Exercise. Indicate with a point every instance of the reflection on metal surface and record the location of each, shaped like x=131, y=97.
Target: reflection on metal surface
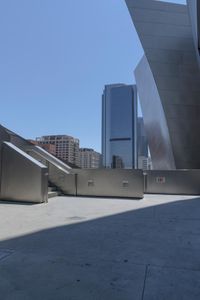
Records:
x=117, y=162
x=168, y=80
x=110, y=183
x=22, y=177
x=154, y=118
x=181, y=182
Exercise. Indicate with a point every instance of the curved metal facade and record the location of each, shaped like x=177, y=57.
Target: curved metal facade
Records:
x=168, y=80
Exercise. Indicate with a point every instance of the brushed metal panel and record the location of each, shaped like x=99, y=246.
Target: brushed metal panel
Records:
x=179, y=97
x=181, y=182
x=167, y=43
x=18, y=141
x=171, y=71
x=164, y=56
x=186, y=112
x=4, y=136
x=41, y=154
x=183, y=126
x=155, y=122
x=62, y=179
x=170, y=30
x=110, y=183
x=163, y=16
x=59, y=172
x=177, y=83
x=157, y=5
x=194, y=13
x=23, y=178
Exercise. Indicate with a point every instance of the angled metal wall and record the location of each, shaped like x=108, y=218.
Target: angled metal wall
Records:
x=22, y=177
x=170, y=62
x=194, y=12
x=154, y=118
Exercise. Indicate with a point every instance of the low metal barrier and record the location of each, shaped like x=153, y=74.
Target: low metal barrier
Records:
x=110, y=183
x=181, y=182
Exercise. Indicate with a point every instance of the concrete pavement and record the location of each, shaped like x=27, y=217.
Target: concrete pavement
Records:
x=101, y=249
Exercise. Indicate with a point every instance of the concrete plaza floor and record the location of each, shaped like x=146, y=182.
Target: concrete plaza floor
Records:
x=101, y=249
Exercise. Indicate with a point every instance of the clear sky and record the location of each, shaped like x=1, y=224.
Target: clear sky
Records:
x=55, y=58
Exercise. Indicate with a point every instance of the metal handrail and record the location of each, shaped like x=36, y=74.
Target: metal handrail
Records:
x=50, y=159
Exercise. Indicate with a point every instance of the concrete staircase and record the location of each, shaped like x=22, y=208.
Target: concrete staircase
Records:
x=52, y=192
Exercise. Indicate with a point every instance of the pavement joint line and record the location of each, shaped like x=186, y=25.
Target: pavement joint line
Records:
x=174, y=268
x=144, y=284
x=166, y=267
x=162, y=267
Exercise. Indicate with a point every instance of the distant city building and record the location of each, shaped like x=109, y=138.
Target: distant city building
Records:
x=144, y=163
x=117, y=162
x=119, y=126
x=89, y=159
x=67, y=147
x=48, y=147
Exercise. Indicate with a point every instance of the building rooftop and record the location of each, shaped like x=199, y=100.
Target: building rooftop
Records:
x=95, y=248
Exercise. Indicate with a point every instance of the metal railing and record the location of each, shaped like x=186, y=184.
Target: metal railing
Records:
x=59, y=172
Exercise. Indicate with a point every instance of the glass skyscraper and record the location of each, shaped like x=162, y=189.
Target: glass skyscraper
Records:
x=119, y=122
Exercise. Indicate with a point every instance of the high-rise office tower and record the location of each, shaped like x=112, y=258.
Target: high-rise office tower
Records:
x=67, y=147
x=119, y=122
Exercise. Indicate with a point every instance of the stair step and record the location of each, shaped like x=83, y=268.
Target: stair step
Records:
x=52, y=189
x=52, y=194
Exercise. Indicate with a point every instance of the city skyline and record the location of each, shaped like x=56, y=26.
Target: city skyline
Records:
x=53, y=70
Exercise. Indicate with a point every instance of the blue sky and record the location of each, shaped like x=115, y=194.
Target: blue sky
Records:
x=55, y=58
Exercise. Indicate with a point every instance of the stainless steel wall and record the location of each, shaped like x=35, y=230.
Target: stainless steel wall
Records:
x=22, y=177
x=154, y=118
x=110, y=183
x=4, y=136
x=41, y=154
x=64, y=181
x=166, y=34
x=194, y=12
x=59, y=172
x=181, y=182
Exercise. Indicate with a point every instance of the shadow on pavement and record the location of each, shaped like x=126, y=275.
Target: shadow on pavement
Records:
x=149, y=253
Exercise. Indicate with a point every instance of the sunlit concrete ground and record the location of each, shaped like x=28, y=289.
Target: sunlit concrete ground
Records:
x=101, y=249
